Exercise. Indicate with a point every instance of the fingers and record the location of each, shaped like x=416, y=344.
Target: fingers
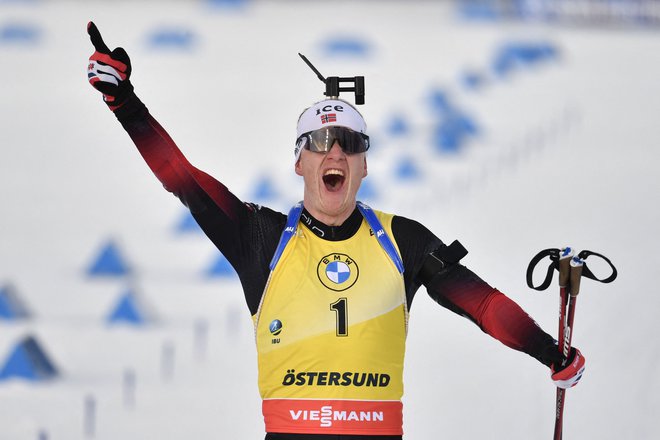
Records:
x=97, y=40
x=104, y=73
x=120, y=54
x=101, y=77
x=110, y=60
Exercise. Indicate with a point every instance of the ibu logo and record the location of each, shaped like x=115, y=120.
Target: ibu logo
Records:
x=275, y=327
x=337, y=272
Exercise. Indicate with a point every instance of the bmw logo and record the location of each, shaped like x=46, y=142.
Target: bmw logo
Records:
x=337, y=272
x=275, y=327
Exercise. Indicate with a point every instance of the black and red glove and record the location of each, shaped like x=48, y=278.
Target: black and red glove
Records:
x=108, y=71
x=567, y=372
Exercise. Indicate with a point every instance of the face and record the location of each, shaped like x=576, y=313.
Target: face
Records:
x=331, y=181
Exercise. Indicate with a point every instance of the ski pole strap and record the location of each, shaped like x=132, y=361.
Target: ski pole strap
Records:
x=554, y=255
x=588, y=274
x=554, y=264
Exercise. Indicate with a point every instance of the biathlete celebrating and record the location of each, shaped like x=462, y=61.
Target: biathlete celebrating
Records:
x=329, y=286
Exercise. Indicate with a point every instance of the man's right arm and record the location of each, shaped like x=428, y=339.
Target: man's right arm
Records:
x=109, y=72
x=196, y=189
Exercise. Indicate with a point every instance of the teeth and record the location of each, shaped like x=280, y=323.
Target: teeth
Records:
x=334, y=172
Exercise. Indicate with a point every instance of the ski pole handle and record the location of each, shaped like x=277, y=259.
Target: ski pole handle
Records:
x=576, y=266
x=565, y=256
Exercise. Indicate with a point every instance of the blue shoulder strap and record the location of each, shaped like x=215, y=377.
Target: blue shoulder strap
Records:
x=289, y=231
x=367, y=213
x=381, y=235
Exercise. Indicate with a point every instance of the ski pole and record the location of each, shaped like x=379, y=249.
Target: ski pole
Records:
x=571, y=270
x=565, y=257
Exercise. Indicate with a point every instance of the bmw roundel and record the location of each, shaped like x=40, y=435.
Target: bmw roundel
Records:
x=337, y=272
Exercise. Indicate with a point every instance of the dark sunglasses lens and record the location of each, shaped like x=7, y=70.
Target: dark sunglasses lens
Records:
x=353, y=142
x=350, y=141
x=321, y=141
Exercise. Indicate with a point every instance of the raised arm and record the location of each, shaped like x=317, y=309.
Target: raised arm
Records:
x=218, y=211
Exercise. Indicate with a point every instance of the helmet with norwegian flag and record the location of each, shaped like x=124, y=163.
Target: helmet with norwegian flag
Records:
x=331, y=112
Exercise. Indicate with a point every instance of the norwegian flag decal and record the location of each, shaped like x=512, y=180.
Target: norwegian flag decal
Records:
x=330, y=117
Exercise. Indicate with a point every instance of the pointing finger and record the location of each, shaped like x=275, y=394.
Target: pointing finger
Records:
x=97, y=40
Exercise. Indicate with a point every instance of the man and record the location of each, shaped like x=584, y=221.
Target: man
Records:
x=329, y=286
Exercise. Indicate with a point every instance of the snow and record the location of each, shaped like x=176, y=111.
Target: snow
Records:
x=565, y=155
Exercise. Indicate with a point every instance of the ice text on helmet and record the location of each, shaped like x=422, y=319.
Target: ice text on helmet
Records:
x=329, y=108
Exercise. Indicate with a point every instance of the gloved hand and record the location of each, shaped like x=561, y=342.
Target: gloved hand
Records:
x=109, y=72
x=568, y=371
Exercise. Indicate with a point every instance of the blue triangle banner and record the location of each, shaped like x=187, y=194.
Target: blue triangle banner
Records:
x=264, y=190
x=398, y=126
x=407, y=169
x=28, y=361
x=367, y=191
x=11, y=306
x=128, y=310
x=173, y=38
x=355, y=47
x=109, y=262
x=20, y=33
x=228, y=4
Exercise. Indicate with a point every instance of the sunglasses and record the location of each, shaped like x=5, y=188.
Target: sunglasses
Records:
x=322, y=140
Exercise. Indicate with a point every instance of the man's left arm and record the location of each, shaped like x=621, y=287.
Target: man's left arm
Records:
x=462, y=291
x=429, y=262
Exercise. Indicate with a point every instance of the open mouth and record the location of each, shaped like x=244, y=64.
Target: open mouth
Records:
x=333, y=179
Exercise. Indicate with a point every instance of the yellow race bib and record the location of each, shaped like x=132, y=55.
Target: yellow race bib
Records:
x=330, y=334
